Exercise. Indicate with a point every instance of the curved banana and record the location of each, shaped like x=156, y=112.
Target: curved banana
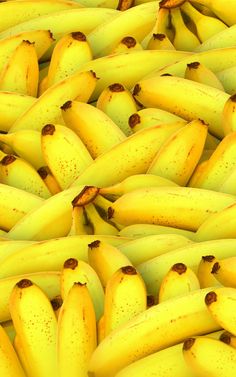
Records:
x=96, y=129
x=49, y=180
x=76, y=336
x=78, y=225
x=117, y=102
x=20, y=353
x=160, y=41
x=204, y=272
x=9, y=362
x=143, y=230
x=229, y=118
x=224, y=272
x=200, y=73
x=98, y=224
x=126, y=45
x=227, y=78
x=100, y=330
x=227, y=14
x=228, y=186
x=8, y=247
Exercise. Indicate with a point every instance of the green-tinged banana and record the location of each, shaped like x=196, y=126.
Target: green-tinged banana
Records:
x=142, y=249
x=56, y=303
x=117, y=102
x=78, y=225
x=154, y=270
x=125, y=298
x=184, y=39
x=9, y=363
x=206, y=154
x=228, y=185
x=204, y=272
x=49, y=180
x=209, y=357
x=98, y=224
x=50, y=255
x=143, y=230
x=224, y=272
x=106, y=260
x=96, y=129
x=227, y=14
x=227, y=78
x=180, y=207
x=77, y=335
x=228, y=338
x=64, y=153
x=160, y=41
x=211, y=142
x=130, y=157
x=180, y=154
x=46, y=108
x=69, y=54
x=15, y=204
x=134, y=182
x=206, y=26
x=36, y=326
x=229, y=118
x=200, y=73
x=180, y=280
x=169, y=93
x=136, y=22
x=20, y=74
x=126, y=45
x=9, y=329
x=75, y=271
x=16, y=172
x=159, y=327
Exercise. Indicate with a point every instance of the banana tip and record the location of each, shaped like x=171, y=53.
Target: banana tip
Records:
x=180, y=268
x=48, y=129
x=188, y=343
x=116, y=88
x=71, y=263
x=24, y=283
x=79, y=36
x=94, y=244
x=129, y=270
x=210, y=298
x=215, y=268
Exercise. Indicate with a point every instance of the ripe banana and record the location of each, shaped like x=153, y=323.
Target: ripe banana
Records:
x=49, y=179
x=126, y=45
x=78, y=225
x=96, y=129
x=163, y=24
x=20, y=353
x=200, y=73
x=160, y=41
x=100, y=330
x=224, y=272
x=229, y=184
x=143, y=230
x=227, y=14
x=227, y=78
x=76, y=337
x=229, y=118
x=204, y=272
x=99, y=226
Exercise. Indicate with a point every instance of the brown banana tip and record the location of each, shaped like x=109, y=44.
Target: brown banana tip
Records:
x=116, y=88
x=129, y=270
x=215, y=268
x=188, y=343
x=165, y=74
x=51, y=35
x=134, y=119
x=208, y=258
x=210, y=298
x=129, y=42
x=159, y=36
x=79, y=36
x=56, y=302
x=233, y=98
x=3, y=132
x=193, y=65
x=86, y=196
x=66, y=105
x=26, y=41
x=71, y=263
x=43, y=172
x=7, y=160
x=24, y=283
x=49, y=129
x=150, y=301
x=225, y=337
x=110, y=213
x=169, y=4
x=80, y=284
x=94, y=75
x=94, y=244
x=180, y=268
x=136, y=90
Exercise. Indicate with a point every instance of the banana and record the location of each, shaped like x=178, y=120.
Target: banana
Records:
x=134, y=182
x=117, y=102
x=126, y=45
x=125, y=298
x=37, y=333
x=96, y=129
x=200, y=73
x=15, y=204
x=184, y=39
x=224, y=272
x=206, y=154
x=20, y=353
x=76, y=337
x=12, y=106
x=154, y=270
x=49, y=180
x=160, y=41
x=228, y=186
x=229, y=118
x=180, y=154
x=86, y=196
x=163, y=24
x=206, y=26
x=64, y=153
x=132, y=156
x=105, y=259
x=9, y=362
x=159, y=327
x=143, y=230
x=204, y=272
x=227, y=78
x=209, y=357
x=78, y=222
x=169, y=93
x=226, y=14
x=56, y=303
x=16, y=172
x=148, y=247
x=21, y=72
x=9, y=329
x=47, y=107
x=228, y=338
x=75, y=271
x=99, y=226
x=180, y=207
x=125, y=4
x=135, y=22
x=69, y=54
x=100, y=330
x=51, y=254
x=99, y=3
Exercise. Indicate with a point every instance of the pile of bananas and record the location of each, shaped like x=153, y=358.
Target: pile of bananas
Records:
x=118, y=188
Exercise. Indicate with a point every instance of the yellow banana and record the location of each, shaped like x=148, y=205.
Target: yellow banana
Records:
x=75, y=271
x=125, y=298
x=200, y=73
x=228, y=185
x=100, y=330
x=126, y=45
x=96, y=129
x=132, y=156
x=8, y=247
x=227, y=78
x=179, y=155
x=148, y=247
x=117, y=102
x=9, y=363
x=224, y=272
x=37, y=333
x=160, y=41
x=98, y=224
x=64, y=153
x=159, y=327
x=99, y=3
x=228, y=338
x=69, y=54
x=227, y=14
x=229, y=118
x=49, y=180
x=143, y=230
x=105, y=260
x=56, y=303
x=204, y=272
x=78, y=222
x=163, y=24
x=209, y=357
x=169, y=93
x=76, y=337
x=20, y=353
